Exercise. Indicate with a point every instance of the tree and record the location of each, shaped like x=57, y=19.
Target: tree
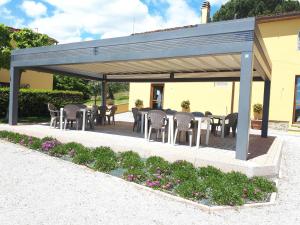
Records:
x=67, y=83
x=24, y=38
x=247, y=8
x=5, y=47
x=27, y=38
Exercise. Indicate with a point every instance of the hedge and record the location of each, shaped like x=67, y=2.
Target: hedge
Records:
x=33, y=102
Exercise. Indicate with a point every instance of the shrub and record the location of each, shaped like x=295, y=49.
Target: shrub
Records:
x=185, y=104
x=82, y=156
x=49, y=143
x=157, y=165
x=138, y=103
x=192, y=189
x=34, y=143
x=182, y=170
x=258, y=108
x=106, y=159
x=69, y=148
x=131, y=160
x=136, y=175
x=37, y=100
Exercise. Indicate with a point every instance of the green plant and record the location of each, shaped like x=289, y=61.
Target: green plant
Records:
x=185, y=104
x=191, y=189
x=131, y=160
x=82, y=156
x=136, y=175
x=257, y=108
x=37, y=100
x=182, y=171
x=157, y=165
x=139, y=103
x=106, y=159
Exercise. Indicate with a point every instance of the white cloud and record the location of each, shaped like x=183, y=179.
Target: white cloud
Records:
x=34, y=9
x=3, y=2
x=109, y=18
x=219, y=2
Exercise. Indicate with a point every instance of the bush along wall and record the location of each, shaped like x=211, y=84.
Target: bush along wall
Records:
x=33, y=102
x=206, y=185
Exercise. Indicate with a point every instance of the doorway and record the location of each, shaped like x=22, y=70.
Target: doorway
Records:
x=157, y=96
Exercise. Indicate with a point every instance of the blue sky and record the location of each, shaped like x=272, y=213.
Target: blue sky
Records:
x=77, y=20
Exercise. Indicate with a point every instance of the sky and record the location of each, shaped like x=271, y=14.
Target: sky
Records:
x=82, y=20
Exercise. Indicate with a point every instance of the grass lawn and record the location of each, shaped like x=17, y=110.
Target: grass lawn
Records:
x=120, y=98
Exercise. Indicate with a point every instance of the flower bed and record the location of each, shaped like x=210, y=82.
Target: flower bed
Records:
x=206, y=185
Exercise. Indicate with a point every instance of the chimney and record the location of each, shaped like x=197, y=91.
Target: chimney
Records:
x=205, y=12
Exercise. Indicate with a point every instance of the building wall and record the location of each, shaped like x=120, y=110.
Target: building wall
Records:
x=280, y=38
x=35, y=80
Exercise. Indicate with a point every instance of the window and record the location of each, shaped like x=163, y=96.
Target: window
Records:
x=296, y=117
x=221, y=84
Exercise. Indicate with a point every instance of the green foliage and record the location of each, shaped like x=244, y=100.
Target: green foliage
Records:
x=131, y=160
x=185, y=104
x=183, y=171
x=82, y=155
x=206, y=183
x=106, y=159
x=135, y=174
x=157, y=165
x=27, y=38
x=34, y=102
x=191, y=189
x=247, y=8
x=257, y=108
x=5, y=47
x=67, y=83
x=139, y=103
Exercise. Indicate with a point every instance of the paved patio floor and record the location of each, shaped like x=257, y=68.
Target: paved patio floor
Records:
x=36, y=189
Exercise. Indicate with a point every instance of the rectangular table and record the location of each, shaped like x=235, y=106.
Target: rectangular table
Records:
x=222, y=118
x=84, y=111
x=200, y=120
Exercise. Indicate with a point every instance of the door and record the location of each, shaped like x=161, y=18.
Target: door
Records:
x=157, y=96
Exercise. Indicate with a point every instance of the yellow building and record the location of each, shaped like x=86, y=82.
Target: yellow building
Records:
x=281, y=35
x=29, y=79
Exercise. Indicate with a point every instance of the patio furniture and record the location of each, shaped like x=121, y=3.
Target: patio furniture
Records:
x=171, y=112
x=158, y=122
x=72, y=114
x=198, y=114
x=137, y=119
x=102, y=114
x=54, y=114
x=92, y=116
x=111, y=114
x=231, y=122
x=184, y=123
x=216, y=122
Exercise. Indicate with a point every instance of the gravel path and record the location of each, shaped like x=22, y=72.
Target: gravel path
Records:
x=36, y=189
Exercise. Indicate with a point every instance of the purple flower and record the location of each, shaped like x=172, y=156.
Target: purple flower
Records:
x=152, y=183
x=48, y=145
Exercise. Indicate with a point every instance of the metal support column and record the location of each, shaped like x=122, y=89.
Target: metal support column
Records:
x=15, y=76
x=266, y=106
x=242, y=140
x=103, y=103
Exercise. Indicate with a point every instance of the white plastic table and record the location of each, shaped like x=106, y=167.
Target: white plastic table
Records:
x=83, y=118
x=222, y=118
x=171, y=128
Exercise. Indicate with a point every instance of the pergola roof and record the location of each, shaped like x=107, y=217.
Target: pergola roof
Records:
x=205, y=52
